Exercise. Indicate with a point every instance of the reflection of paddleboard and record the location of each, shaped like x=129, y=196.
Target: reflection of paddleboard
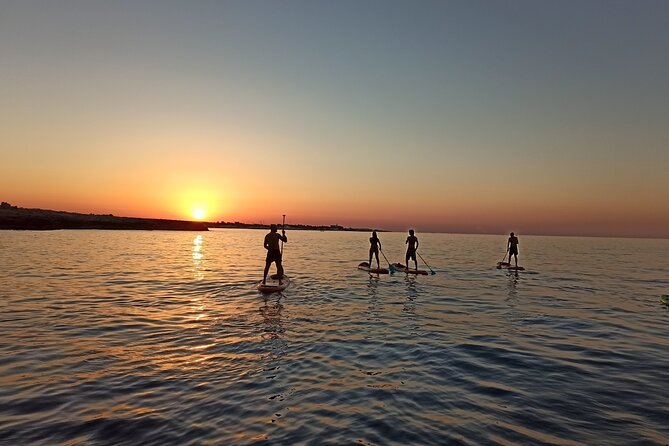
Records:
x=365, y=267
x=403, y=269
x=506, y=265
x=272, y=284
x=664, y=299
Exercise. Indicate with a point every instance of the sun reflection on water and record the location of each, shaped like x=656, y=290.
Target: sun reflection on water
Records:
x=198, y=258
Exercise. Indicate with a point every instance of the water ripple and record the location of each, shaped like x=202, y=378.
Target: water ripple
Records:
x=158, y=338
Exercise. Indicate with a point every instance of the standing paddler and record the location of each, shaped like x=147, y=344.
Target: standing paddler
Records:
x=274, y=253
x=412, y=246
x=375, y=245
x=512, y=248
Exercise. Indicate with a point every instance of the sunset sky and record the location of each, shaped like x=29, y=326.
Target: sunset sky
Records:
x=455, y=116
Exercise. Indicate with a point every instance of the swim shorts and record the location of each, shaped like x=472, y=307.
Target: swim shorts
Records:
x=273, y=255
x=411, y=253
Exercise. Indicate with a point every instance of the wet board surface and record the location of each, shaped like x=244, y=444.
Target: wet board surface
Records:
x=272, y=284
x=502, y=265
x=403, y=269
x=364, y=266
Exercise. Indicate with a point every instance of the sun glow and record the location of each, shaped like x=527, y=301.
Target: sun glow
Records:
x=200, y=199
x=199, y=213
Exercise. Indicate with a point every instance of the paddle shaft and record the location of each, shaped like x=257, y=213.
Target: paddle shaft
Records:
x=390, y=267
x=283, y=229
x=421, y=257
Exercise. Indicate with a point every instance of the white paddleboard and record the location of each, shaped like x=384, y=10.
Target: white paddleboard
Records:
x=403, y=269
x=505, y=265
x=365, y=267
x=272, y=284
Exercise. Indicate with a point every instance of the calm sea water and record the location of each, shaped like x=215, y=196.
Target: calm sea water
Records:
x=159, y=338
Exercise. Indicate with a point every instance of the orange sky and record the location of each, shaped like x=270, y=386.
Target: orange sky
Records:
x=249, y=115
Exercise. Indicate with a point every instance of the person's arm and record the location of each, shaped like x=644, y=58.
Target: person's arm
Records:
x=508, y=244
x=283, y=237
x=416, y=243
x=380, y=245
x=266, y=245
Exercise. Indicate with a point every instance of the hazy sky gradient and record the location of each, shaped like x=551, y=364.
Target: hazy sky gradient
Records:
x=539, y=117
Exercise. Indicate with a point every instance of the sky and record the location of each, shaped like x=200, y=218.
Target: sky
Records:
x=444, y=116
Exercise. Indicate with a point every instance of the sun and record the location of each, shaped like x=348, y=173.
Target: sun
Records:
x=198, y=213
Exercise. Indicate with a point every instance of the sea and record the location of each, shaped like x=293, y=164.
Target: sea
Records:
x=161, y=338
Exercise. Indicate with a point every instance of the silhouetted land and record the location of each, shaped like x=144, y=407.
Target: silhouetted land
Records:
x=292, y=227
x=13, y=217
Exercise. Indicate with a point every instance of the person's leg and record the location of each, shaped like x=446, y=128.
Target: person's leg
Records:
x=415, y=261
x=279, y=270
x=406, y=260
x=370, y=257
x=378, y=264
x=264, y=276
x=515, y=257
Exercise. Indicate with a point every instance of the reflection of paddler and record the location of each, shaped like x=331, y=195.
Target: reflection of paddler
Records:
x=374, y=249
x=274, y=252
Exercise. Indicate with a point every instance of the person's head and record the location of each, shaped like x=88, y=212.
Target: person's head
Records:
x=410, y=231
x=512, y=234
x=272, y=228
x=374, y=234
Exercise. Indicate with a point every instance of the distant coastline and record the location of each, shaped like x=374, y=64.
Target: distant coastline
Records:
x=13, y=217
x=293, y=227
x=16, y=218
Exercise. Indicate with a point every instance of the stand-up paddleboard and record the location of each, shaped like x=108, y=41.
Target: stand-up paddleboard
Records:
x=272, y=285
x=506, y=265
x=365, y=267
x=403, y=269
x=664, y=299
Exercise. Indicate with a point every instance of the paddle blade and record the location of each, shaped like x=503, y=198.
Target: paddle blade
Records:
x=391, y=268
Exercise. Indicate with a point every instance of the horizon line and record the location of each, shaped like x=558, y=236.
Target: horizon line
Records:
x=531, y=233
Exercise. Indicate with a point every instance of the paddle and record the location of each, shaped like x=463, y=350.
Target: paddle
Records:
x=283, y=229
x=504, y=258
x=421, y=257
x=391, y=267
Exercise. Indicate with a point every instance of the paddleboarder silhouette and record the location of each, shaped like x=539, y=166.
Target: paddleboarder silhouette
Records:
x=374, y=249
x=512, y=247
x=412, y=241
x=274, y=252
